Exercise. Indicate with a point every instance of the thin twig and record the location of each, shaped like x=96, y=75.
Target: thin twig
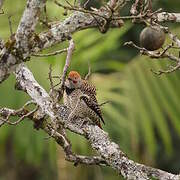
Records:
x=89, y=71
x=54, y=93
x=106, y=102
x=2, y=11
x=22, y=117
x=22, y=112
x=85, y=4
x=158, y=55
x=68, y=3
x=174, y=39
x=64, y=142
x=51, y=54
x=10, y=25
x=170, y=70
x=1, y=4
x=50, y=76
x=155, y=54
x=45, y=12
x=68, y=60
x=79, y=9
x=99, y=140
x=133, y=9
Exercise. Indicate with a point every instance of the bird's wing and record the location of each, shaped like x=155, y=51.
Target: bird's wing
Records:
x=92, y=102
x=93, y=105
x=88, y=88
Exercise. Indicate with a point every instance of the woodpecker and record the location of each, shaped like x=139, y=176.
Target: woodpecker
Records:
x=80, y=97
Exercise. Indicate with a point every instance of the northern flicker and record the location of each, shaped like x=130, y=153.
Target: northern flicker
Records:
x=80, y=97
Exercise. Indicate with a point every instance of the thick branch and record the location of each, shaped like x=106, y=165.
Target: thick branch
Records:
x=59, y=137
x=98, y=139
x=79, y=159
x=1, y=44
x=69, y=155
x=18, y=48
x=171, y=17
x=57, y=33
x=61, y=31
x=27, y=24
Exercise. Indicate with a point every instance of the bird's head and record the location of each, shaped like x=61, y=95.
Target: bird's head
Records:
x=73, y=80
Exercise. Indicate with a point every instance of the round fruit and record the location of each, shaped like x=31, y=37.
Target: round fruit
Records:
x=152, y=38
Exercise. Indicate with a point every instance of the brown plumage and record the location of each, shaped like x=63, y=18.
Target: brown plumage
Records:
x=90, y=90
x=76, y=88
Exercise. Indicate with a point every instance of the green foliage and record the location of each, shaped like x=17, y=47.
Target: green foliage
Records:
x=140, y=105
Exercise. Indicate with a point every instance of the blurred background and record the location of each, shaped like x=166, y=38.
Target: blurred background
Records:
x=143, y=115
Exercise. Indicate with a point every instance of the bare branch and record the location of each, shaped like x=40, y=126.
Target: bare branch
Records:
x=89, y=71
x=58, y=32
x=1, y=4
x=170, y=70
x=171, y=17
x=98, y=139
x=18, y=50
x=6, y=113
x=51, y=54
x=10, y=24
x=174, y=39
x=27, y=24
x=26, y=42
x=86, y=3
x=61, y=31
x=155, y=54
x=106, y=102
x=69, y=155
x=68, y=61
x=78, y=9
x=78, y=159
x=5, y=121
x=36, y=92
x=1, y=44
x=50, y=76
x=159, y=55
x=56, y=95
x=134, y=7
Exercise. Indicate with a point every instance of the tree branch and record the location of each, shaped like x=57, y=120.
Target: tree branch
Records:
x=168, y=17
x=27, y=25
x=29, y=43
x=1, y=4
x=98, y=139
x=60, y=138
x=51, y=54
x=79, y=159
x=68, y=61
x=69, y=155
x=18, y=48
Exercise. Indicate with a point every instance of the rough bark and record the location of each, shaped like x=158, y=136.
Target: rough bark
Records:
x=59, y=32
x=17, y=48
x=25, y=43
x=99, y=140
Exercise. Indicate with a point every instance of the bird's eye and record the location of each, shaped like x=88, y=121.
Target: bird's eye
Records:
x=69, y=79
